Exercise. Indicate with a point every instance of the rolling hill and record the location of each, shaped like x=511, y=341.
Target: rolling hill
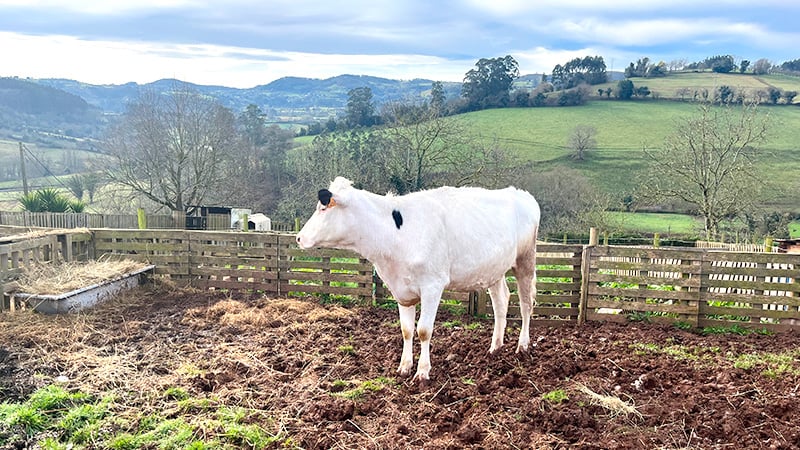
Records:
x=81, y=111
x=624, y=129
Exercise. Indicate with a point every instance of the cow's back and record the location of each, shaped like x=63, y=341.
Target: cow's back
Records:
x=473, y=234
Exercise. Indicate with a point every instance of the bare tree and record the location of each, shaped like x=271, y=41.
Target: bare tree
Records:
x=173, y=149
x=710, y=162
x=581, y=140
x=417, y=149
x=568, y=201
x=260, y=165
x=421, y=143
x=426, y=150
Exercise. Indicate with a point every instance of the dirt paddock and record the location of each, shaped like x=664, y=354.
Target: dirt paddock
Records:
x=324, y=375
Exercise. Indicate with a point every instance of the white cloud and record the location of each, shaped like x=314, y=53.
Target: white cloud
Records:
x=109, y=62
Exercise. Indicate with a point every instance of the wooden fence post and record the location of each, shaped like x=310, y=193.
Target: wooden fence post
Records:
x=141, y=218
x=483, y=300
x=179, y=219
x=585, y=261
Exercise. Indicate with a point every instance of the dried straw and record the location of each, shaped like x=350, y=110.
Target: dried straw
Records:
x=54, y=279
x=614, y=405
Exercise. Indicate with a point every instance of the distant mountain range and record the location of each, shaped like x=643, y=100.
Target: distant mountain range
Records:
x=285, y=93
x=32, y=108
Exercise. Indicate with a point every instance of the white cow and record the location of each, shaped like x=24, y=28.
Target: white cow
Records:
x=425, y=242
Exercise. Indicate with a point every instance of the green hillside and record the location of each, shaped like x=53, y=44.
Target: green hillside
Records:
x=682, y=86
x=624, y=128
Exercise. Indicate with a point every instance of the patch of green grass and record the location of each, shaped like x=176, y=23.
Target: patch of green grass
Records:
x=76, y=420
x=44, y=408
x=772, y=365
x=733, y=329
x=555, y=397
x=347, y=349
x=361, y=388
x=453, y=306
x=55, y=397
x=176, y=393
x=452, y=324
x=681, y=352
x=81, y=422
x=794, y=230
x=30, y=419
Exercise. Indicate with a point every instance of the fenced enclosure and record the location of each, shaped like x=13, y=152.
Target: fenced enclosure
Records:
x=698, y=287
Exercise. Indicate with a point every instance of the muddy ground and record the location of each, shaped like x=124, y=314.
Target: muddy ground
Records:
x=325, y=375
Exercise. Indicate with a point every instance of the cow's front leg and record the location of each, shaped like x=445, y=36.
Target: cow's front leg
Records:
x=407, y=315
x=427, y=317
x=499, y=294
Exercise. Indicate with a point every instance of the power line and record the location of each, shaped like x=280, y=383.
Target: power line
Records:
x=46, y=169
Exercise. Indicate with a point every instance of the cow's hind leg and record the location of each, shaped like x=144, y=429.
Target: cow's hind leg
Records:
x=525, y=271
x=500, y=294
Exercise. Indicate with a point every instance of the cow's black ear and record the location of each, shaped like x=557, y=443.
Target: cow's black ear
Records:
x=324, y=196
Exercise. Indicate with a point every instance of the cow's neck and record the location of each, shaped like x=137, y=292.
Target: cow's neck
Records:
x=375, y=230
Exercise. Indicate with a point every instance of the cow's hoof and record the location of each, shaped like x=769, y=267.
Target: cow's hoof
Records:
x=422, y=378
x=404, y=370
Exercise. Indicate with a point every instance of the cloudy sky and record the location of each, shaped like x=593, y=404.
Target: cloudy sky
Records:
x=244, y=43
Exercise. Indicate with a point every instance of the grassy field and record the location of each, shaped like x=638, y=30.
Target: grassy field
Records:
x=40, y=160
x=624, y=129
x=662, y=223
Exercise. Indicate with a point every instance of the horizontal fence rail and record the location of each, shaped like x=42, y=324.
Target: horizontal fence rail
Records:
x=700, y=287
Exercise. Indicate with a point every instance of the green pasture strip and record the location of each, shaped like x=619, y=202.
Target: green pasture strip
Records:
x=663, y=223
x=683, y=85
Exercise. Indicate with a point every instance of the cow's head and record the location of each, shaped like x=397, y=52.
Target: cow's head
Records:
x=329, y=226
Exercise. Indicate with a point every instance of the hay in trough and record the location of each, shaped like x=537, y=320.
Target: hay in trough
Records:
x=54, y=279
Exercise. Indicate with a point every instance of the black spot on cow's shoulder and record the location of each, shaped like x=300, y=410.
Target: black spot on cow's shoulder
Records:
x=324, y=196
x=398, y=218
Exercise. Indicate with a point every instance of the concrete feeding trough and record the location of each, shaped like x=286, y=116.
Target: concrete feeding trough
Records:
x=84, y=297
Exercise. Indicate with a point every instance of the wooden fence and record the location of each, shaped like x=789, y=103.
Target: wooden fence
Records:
x=734, y=247
x=699, y=287
x=121, y=221
x=82, y=220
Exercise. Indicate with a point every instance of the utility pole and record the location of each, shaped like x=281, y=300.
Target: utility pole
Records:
x=22, y=168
